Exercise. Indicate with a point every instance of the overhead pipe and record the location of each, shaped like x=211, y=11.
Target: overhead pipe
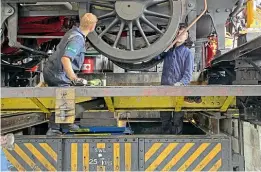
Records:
x=238, y=8
x=194, y=21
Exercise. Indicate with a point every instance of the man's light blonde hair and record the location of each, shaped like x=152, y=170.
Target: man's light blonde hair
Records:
x=87, y=20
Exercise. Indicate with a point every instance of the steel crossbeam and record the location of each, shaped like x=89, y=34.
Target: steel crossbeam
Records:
x=215, y=90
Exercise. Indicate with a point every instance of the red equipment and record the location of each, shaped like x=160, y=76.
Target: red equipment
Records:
x=88, y=65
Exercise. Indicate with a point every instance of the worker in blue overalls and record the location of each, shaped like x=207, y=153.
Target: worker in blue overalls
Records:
x=177, y=71
x=69, y=56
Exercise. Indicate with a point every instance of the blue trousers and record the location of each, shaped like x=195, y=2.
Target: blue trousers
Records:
x=5, y=164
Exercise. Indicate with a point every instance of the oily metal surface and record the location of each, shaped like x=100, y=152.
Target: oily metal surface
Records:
x=11, y=123
x=131, y=55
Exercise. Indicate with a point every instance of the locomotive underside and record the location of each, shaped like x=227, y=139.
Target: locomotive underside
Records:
x=127, y=31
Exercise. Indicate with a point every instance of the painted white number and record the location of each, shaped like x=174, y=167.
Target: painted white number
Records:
x=93, y=161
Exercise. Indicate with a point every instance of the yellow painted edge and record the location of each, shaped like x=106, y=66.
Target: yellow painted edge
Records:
x=74, y=149
x=179, y=103
x=116, y=156
x=109, y=103
x=39, y=104
x=127, y=156
x=227, y=103
x=85, y=153
x=101, y=145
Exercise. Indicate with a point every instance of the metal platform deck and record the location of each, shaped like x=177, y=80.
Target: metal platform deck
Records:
x=209, y=98
x=132, y=91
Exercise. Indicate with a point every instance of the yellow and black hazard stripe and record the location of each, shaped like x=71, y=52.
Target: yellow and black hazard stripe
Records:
x=33, y=157
x=102, y=157
x=183, y=157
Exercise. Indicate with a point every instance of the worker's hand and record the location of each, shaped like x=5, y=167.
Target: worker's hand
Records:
x=95, y=82
x=7, y=141
x=3, y=140
x=178, y=84
x=79, y=82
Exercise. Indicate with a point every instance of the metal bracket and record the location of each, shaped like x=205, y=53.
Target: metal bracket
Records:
x=40, y=105
x=109, y=103
x=12, y=26
x=179, y=103
x=65, y=105
x=227, y=103
x=6, y=11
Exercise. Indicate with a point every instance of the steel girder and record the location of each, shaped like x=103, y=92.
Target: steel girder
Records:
x=249, y=49
x=231, y=90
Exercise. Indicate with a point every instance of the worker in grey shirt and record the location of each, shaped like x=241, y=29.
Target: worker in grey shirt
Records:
x=66, y=60
x=177, y=71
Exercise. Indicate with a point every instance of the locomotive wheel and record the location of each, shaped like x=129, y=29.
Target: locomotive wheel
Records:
x=143, y=66
x=128, y=31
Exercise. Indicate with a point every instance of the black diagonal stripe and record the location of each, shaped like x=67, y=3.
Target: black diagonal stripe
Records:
x=201, y=157
x=212, y=162
x=33, y=157
x=122, y=157
x=66, y=160
x=45, y=154
x=170, y=156
x=155, y=155
x=20, y=160
x=80, y=157
x=186, y=156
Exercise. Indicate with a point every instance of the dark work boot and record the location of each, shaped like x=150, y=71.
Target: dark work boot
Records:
x=53, y=132
x=166, y=122
x=54, y=129
x=178, y=123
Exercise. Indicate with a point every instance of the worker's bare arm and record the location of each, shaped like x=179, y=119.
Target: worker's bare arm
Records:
x=67, y=65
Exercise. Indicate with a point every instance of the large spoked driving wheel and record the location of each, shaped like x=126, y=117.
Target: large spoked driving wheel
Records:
x=134, y=31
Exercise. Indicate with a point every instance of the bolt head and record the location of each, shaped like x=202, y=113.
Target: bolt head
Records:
x=227, y=10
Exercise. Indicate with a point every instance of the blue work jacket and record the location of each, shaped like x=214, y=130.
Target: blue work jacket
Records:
x=178, y=66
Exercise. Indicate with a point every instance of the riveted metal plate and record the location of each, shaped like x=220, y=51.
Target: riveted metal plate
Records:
x=35, y=155
x=101, y=154
x=186, y=154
